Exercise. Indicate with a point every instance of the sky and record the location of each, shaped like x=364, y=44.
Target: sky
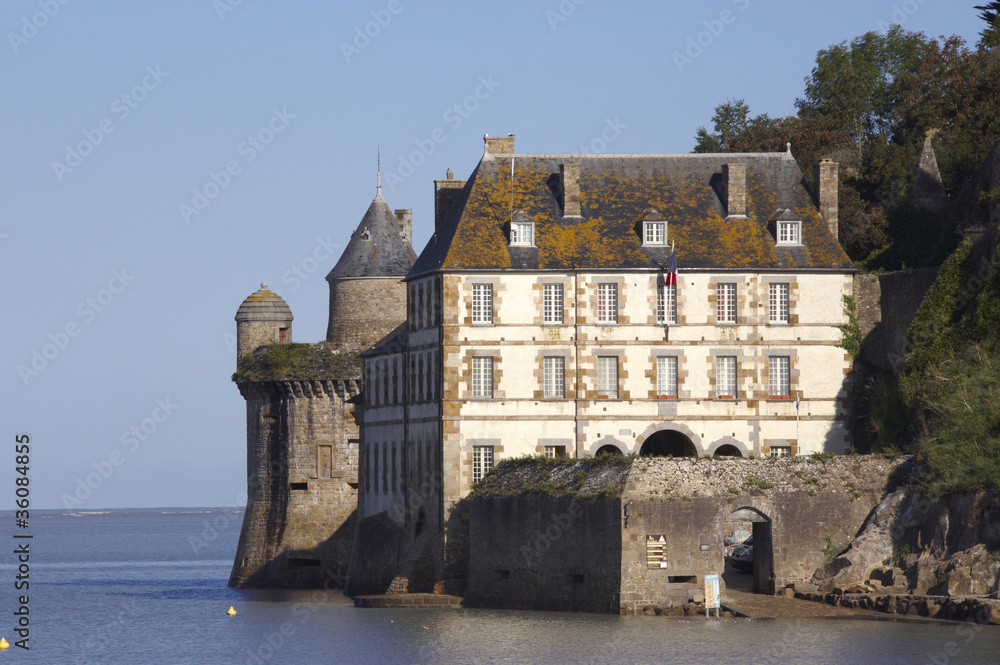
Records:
x=160, y=160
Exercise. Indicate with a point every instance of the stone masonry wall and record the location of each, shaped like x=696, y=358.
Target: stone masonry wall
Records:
x=553, y=551
x=302, y=485
x=541, y=553
x=886, y=305
x=803, y=501
x=365, y=310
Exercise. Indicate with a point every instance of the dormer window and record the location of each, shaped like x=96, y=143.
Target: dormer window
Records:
x=654, y=233
x=789, y=232
x=522, y=234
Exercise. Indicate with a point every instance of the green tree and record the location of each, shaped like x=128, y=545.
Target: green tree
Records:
x=990, y=36
x=851, y=83
x=736, y=131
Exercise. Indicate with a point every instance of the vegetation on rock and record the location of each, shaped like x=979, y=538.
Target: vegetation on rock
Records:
x=288, y=362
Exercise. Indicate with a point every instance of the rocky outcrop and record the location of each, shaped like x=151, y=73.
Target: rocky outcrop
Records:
x=913, y=545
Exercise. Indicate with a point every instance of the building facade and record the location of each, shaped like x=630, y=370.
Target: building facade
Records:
x=543, y=318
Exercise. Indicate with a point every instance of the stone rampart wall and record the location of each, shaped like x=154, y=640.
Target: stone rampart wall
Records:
x=302, y=484
x=886, y=305
x=541, y=547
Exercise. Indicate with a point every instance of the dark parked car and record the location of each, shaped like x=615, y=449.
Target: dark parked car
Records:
x=741, y=557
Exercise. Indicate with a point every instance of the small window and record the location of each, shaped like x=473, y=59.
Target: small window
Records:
x=299, y=487
x=725, y=303
x=607, y=303
x=522, y=233
x=781, y=451
x=553, y=303
x=666, y=303
x=778, y=377
x=607, y=377
x=555, y=377
x=654, y=233
x=555, y=452
x=778, y=301
x=482, y=462
x=482, y=377
x=725, y=377
x=482, y=303
x=666, y=376
x=789, y=232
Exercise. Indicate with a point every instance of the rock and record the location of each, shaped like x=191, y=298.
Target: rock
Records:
x=698, y=597
x=926, y=577
x=648, y=611
x=804, y=587
x=869, y=550
x=972, y=572
x=788, y=592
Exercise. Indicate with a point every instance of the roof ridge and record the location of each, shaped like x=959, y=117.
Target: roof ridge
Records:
x=696, y=155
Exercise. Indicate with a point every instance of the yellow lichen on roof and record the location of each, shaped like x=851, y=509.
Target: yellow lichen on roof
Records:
x=614, y=201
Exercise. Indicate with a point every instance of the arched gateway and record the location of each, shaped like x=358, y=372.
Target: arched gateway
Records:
x=668, y=443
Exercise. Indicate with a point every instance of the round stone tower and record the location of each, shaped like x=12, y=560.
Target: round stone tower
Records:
x=367, y=295
x=263, y=318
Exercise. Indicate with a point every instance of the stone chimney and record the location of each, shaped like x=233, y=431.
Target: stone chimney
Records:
x=735, y=176
x=405, y=218
x=570, y=174
x=445, y=193
x=826, y=187
x=499, y=145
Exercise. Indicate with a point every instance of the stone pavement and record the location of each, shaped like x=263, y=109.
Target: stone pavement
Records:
x=759, y=606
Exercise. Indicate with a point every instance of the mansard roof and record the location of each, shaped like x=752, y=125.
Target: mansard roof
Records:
x=377, y=247
x=616, y=193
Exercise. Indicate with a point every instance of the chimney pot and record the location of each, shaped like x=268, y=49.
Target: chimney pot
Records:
x=405, y=218
x=825, y=180
x=570, y=174
x=736, y=189
x=499, y=145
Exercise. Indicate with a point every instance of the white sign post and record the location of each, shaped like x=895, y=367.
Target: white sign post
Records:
x=712, y=599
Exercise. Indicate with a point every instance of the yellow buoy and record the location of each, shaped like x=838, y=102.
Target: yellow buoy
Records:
x=4, y=644
x=231, y=611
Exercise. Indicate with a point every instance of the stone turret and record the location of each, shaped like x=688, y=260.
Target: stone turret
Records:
x=367, y=295
x=263, y=318
x=928, y=189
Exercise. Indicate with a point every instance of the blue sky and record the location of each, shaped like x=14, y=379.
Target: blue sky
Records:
x=160, y=159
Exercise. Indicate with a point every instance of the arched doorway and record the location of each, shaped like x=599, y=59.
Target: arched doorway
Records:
x=763, y=554
x=609, y=449
x=668, y=443
x=728, y=450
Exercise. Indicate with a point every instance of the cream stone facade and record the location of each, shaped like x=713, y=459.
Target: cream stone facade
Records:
x=538, y=323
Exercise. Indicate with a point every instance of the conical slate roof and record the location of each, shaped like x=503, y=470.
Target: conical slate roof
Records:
x=376, y=249
x=264, y=305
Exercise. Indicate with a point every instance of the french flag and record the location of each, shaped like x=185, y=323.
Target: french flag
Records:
x=670, y=279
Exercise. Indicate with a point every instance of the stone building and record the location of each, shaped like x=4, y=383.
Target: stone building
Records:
x=302, y=429
x=542, y=319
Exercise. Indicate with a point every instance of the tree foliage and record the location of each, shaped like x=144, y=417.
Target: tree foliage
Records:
x=869, y=103
x=990, y=36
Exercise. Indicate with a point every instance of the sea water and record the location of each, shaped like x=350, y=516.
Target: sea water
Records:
x=150, y=587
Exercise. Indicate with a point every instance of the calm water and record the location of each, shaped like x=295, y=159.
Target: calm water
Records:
x=133, y=587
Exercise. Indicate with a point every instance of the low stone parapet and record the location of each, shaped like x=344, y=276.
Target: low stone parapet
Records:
x=397, y=600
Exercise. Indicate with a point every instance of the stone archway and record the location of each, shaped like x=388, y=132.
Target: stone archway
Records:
x=609, y=449
x=668, y=443
x=728, y=450
x=763, y=550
